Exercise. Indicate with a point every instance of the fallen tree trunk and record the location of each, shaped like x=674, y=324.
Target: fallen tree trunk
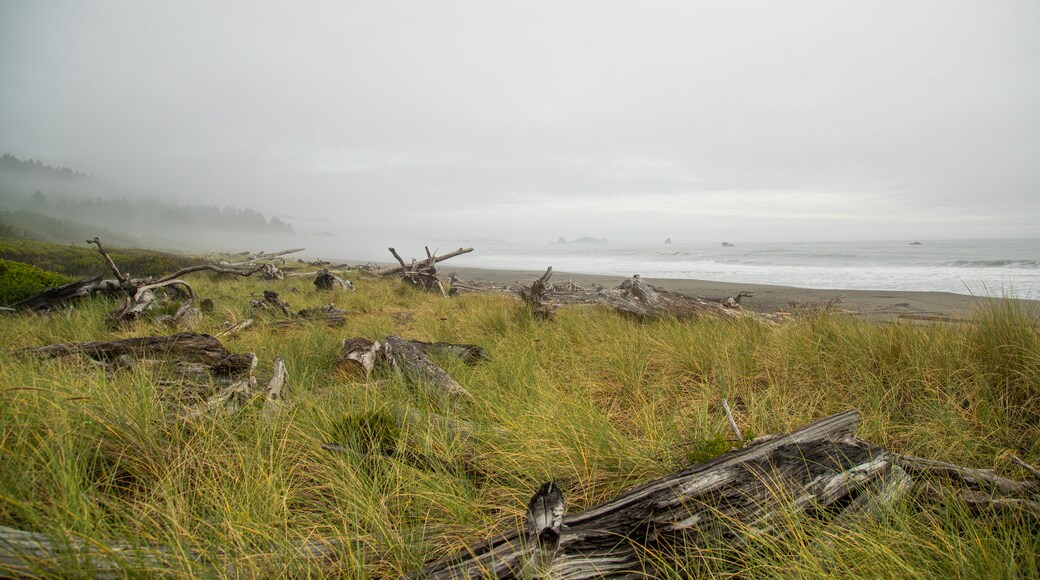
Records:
x=185, y=346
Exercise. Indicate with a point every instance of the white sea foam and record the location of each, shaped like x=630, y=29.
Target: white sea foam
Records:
x=979, y=267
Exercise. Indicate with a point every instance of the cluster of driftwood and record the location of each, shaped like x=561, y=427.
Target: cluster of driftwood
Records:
x=633, y=297
x=139, y=294
x=421, y=274
x=820, y=471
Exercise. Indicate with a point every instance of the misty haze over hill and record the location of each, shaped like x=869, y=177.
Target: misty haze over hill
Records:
x=63, y=205
x=363, y=125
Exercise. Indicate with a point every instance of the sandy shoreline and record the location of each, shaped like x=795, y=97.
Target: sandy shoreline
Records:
x=882, y=304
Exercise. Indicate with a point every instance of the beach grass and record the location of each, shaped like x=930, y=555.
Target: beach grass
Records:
x=591, y=400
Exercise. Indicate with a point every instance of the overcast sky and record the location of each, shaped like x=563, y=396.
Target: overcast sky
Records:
x=531, y=120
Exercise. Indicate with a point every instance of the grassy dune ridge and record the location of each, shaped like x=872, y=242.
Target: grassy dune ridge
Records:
x=591, y=400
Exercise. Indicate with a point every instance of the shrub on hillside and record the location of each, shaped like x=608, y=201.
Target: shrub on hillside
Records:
x=19, y=281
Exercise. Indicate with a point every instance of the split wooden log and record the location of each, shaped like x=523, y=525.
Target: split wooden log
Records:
x=363, y=355
x=360, y=355
x=417, y=368
x=398, y=269
x=535, y=297
x=820, y=470
x=326, y=280
x=185, y=346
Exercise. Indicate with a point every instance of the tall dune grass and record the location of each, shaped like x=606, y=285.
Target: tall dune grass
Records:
x=591, y=400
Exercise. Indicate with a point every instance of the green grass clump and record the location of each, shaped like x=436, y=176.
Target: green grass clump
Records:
x=590, y=400
x=19, y=281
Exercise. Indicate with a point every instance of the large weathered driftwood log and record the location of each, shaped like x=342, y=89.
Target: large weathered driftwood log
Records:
x=820, y=470
x=818, y=466
x=185, y=346
x=637, y=298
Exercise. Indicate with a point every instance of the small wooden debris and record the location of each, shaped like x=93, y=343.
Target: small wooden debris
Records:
x=329, y=314
x=234, y=328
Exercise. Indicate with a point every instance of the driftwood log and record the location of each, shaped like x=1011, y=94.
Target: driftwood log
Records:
x=250, y=259
x=182, y=347
x=399, y=269
x=535, y=297
x=25, y=554
x=409, y=358
x=360, y=355
x=418, y=370
x=635, y=297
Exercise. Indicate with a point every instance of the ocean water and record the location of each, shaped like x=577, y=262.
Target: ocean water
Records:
x=978, y=267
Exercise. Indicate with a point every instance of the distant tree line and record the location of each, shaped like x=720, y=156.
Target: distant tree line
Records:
x=35, y=167
x=119, y=212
